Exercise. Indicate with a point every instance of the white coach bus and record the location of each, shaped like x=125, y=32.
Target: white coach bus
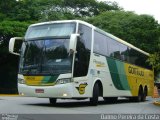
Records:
x=73, y=59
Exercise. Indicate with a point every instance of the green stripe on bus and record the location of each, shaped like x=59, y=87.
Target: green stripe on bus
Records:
x=53, y=79
x=122, y=75
x=49, y=79
x=118, y=74
x=114, y=73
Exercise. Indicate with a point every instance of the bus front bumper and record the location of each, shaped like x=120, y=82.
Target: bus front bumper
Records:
x=56, y=91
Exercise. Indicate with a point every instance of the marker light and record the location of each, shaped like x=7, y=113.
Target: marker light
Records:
x=21, y=81
x=64, y=95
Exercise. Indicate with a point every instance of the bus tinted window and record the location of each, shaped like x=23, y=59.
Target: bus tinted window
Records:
x=137, y=58
x=124, y=52
x=50, y=30
x=107, y=46
x=133, y=56
x=113, y=48
x=85, y=34
x=100, y=43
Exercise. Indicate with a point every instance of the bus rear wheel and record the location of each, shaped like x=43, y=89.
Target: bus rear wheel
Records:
x=144, y=94
x=52, y=101
x=94, y=99
x=139, y=98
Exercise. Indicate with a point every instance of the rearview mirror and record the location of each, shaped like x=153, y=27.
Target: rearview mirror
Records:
x=73, y=42
x=15, y=45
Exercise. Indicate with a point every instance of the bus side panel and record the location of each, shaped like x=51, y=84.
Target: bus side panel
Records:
x=137, y=77
x=150, y=81
x=118, y=74
x=127, y=77
x=112, y=75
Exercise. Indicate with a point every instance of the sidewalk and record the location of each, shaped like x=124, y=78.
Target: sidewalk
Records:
x=157, y=102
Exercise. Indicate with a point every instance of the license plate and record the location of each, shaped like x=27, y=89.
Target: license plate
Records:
x=39, y=90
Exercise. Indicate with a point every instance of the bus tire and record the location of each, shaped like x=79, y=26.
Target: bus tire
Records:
x=139, y=98
x=144, y=94
x=52, y=101
x=95, y=95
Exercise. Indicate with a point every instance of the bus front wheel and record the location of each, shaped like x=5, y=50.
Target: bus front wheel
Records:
x=95, y=95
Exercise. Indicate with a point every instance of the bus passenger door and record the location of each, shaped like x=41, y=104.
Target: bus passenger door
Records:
x=82, y=58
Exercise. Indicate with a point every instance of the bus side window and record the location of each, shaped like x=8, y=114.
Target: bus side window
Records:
x=113, y=48
x=124, y=52
x=100, y=44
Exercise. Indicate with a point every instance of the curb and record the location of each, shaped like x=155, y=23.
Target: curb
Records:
x=156, y=103
x=5, y=95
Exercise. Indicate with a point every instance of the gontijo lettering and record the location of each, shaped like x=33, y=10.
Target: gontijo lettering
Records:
x=136, y=71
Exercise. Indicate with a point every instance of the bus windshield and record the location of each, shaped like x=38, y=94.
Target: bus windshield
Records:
x=50, y=30
x=48, y=56
x=45, y=49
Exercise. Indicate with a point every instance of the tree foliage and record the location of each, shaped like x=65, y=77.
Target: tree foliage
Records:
x=9, y=62
x=71, y=9
x=29, y=10
x=154, y=61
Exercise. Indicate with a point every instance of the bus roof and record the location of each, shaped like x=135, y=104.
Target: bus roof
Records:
x=99, y=30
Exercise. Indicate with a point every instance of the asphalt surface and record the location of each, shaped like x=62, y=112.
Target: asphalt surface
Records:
x=31, y=105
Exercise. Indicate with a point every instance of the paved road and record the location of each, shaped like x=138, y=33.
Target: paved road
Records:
x=30, y=105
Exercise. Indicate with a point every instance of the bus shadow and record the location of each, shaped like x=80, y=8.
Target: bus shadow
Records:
x=72, y=104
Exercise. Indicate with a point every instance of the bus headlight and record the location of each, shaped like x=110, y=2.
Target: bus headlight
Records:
x=64, y=81
x=21, y=81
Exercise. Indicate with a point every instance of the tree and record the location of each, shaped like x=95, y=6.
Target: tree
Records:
x=9, y=62
x=6, y=8
x=154, y=59
x=35, y=10
x=71, y=9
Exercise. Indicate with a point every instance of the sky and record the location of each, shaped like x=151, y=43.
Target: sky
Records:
x=150, y=7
